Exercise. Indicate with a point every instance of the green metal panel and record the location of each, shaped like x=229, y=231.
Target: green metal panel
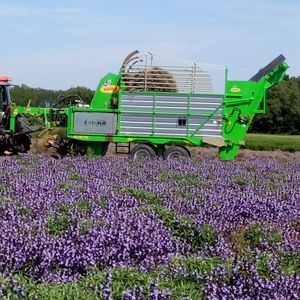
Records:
x=108, y=87
x=243, y=99
x=35, y=111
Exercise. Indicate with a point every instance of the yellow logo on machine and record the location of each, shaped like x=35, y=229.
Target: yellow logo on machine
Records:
x=109, y=88
x=235, y=89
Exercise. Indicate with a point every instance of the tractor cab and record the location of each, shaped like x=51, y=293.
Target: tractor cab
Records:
x=5, y=102
x=4, y=93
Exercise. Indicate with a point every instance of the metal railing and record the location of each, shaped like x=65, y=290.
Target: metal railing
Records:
x=147, y=73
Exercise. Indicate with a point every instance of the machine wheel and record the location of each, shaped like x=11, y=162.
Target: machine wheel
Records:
x=22, y=139
x=176, y=152
x=143, y=152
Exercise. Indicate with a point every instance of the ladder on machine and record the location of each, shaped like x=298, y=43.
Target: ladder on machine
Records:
x=122, y=148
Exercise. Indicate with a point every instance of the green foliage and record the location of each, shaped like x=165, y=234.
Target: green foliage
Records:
x=21, y=95
x=101, y=202
x=290, y=262
x=64, y=186
x=181, y=226
x=270, y=142
x=262, y=265
x=4, y=200
x=24, y=211
x=192, y=278
x=200, y=265
x=4, y=187
x=57, y=225
x=60, y=222
x=64, y=208
x=183, y=194
x=182, y=179
x=143, y=195
x=283, y=114
x=257, y=233
x=241, y=180
x=188, y=179
x=124, y=279
x=20, y=287
x=26, y=171
x=273, y=236
x=188, y=280
x=84, y=206
x=253, y=235
x=85, y=225
x=89, y=286
x=184, y=227
x=205, y=236
x=75, y=176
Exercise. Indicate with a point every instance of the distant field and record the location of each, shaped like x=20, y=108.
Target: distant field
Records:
x=273, y=142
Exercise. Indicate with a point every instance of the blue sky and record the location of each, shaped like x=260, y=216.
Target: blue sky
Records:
x=59, y=44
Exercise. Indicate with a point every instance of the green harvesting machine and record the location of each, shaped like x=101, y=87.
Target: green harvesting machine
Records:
x=154, y=106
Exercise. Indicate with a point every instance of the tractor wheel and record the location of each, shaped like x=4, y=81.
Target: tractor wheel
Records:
x=176, y=152
x=21, y=141
x=143, y=152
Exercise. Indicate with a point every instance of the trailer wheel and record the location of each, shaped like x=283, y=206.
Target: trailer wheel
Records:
x=176, y=152
x=143, y=152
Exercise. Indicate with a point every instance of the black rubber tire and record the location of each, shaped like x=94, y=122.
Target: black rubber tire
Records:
x=152, y=146
x=22, y=142
x=143, y=152
x=176, y=152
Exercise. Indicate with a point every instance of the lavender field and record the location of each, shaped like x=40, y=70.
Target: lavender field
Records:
x=112, y=228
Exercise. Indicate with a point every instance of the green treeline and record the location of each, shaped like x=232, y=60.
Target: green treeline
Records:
x=283, y=114
x=21, y=95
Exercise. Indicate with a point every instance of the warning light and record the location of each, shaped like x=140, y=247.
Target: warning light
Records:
x=5, y=78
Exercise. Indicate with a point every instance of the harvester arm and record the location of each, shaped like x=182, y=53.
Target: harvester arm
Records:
x=244, y=99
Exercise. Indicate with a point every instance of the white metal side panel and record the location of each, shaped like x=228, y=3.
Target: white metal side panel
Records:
x=137, y=117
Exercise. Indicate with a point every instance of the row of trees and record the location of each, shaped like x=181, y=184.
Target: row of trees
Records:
x=283, y=114
x=23, y=94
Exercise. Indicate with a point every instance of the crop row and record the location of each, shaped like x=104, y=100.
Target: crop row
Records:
x=111, y=227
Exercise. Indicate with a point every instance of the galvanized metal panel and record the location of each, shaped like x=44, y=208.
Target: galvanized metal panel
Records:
x=171, y=98
x=136, y=117
x=205, y=104
x=171, y=103
x=204, y=98
x=136, y=131
x=213, y=127
x=137, y=123
x=135, y=101
x=166, y=125
x=93, y=122
x=168, y=109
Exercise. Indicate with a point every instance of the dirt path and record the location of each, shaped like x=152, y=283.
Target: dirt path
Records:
x=244, y=154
